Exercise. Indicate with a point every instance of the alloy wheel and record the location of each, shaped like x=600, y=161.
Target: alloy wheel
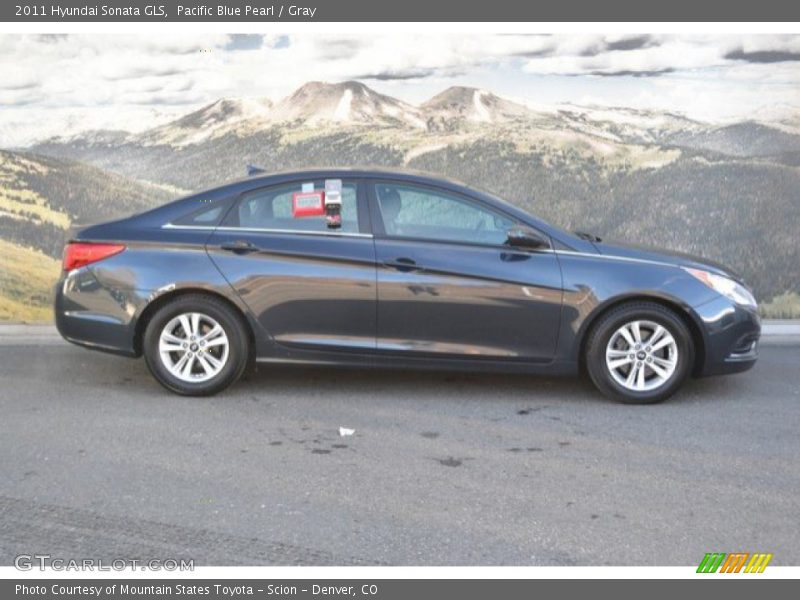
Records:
x=642, y=355
x=193, y=347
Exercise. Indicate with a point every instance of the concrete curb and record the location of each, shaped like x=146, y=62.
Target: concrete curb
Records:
x=29, y=334
x=773, y=332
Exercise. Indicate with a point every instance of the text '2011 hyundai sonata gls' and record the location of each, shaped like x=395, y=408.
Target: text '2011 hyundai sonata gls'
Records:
x=393, y=269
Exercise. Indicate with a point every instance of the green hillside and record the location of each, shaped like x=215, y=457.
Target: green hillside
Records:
x=41, y=198
x=26, y=281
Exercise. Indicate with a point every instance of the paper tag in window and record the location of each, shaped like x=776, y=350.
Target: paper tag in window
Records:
x=308, y=204
x=333, y=192
x=308, y=187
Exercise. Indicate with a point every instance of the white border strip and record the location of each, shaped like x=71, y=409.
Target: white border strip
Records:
x=313, y=28
x=377, y=573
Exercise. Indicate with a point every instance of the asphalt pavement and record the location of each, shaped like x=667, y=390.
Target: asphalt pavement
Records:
x=98, y=461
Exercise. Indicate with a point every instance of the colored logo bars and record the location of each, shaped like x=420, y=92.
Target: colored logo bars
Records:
x=737, y=562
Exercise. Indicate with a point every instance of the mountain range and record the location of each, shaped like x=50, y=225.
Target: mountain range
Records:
x=730, y=192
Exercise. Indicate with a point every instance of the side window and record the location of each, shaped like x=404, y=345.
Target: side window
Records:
x=418, y=212
x=207, y=216
x=271, y=208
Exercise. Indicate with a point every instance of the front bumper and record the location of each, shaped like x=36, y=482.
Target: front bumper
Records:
x=731, y=337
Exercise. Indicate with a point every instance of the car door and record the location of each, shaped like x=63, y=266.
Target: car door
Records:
x=308, y=285
x=449, y=286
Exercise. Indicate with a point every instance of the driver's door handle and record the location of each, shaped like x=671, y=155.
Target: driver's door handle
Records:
x=403, y=264
x=239, y=247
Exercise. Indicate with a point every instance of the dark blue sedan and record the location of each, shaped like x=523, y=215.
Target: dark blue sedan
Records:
x=393, y=269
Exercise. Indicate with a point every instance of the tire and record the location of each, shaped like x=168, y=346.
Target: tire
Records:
x=614, y=363
x=217, y=354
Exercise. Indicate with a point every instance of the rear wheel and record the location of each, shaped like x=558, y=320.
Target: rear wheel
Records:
x=639, y=353
x=196, y=345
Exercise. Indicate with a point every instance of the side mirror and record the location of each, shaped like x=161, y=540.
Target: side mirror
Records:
x=525, y=237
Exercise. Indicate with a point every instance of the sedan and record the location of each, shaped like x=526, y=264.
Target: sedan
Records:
x=384, y=268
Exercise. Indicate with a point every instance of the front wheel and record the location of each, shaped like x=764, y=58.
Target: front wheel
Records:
x=639, y=353
x=196, y=345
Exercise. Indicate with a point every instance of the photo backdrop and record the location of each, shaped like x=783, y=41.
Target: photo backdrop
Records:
x=686, y=143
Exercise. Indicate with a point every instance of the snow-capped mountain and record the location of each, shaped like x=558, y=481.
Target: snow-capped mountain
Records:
x=344, y=103
x=472, y=104
x=628, y=124
x=352, y=104
x=221, y=117
x=620, y=137
x=314, y=104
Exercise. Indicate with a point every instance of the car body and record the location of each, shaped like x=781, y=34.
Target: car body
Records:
x=432, y=280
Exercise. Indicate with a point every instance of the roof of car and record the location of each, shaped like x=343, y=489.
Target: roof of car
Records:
x=371, y=172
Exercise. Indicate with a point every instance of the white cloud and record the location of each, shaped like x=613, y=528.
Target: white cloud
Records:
x=658, y=54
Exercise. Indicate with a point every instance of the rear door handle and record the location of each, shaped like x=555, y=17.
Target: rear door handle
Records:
x=239, y=247
x=402, y=264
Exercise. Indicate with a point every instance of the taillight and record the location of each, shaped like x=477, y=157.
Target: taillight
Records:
x=80, y=254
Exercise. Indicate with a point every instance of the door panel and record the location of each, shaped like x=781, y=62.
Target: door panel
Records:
x=464, y=301
x=311, y=288
x=447, y=284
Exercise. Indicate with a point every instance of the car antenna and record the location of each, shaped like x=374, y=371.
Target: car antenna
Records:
x=254, y=170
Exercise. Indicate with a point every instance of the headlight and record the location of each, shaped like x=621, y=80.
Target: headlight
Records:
x=725, y=286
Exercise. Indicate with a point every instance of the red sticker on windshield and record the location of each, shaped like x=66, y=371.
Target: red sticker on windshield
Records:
x=308, y=204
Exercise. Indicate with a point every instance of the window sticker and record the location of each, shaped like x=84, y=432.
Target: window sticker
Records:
x=308, y=204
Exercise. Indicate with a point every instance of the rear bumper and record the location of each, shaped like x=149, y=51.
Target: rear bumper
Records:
x=101, y=306
x=94, y=316
x=731, y=334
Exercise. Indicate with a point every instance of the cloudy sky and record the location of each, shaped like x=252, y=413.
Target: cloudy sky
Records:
x=53, y=84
